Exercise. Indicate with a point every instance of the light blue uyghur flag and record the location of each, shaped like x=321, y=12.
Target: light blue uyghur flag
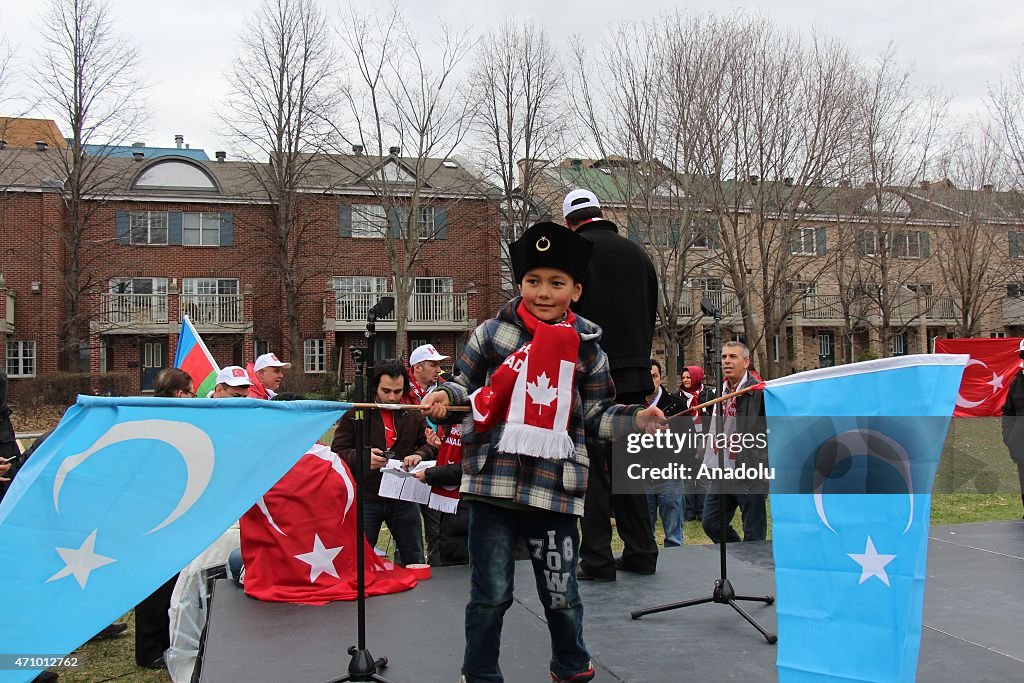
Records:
x=123, y=494
x=850, y=567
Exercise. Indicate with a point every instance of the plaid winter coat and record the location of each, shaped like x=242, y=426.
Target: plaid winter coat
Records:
x=556, y=485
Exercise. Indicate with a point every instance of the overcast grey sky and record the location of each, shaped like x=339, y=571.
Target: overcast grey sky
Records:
x=187, y=45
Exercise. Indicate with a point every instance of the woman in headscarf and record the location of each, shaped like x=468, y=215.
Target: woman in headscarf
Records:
x=693, y=392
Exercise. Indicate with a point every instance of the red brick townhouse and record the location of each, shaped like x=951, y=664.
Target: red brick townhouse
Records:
x=173, y=236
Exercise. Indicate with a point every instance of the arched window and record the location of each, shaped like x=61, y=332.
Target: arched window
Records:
x=175, y=174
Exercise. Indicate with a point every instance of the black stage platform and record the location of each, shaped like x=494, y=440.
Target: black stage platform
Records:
x=974, y=602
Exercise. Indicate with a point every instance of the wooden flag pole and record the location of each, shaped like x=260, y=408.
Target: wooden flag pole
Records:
x=405, y=406
x=726, y=397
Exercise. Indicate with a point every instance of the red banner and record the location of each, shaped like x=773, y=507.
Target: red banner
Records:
x=988, y=374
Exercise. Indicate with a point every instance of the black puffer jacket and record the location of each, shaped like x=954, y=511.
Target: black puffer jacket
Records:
x=621, y=296
x=1013, y=419
x=453, y=541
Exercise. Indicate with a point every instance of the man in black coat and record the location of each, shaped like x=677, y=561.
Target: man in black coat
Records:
x=741, y=415
x=621, y=297
x=9, y=451
x=1013, y=422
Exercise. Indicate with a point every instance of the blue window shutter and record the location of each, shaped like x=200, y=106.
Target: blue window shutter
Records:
x=633, y=229
x=677, y=229
x=174, y=220
x=395, y=219
x=926, y=248
x=1014, y=244
x=820, y=241
x=227, y=229
x=345, y=220
x=122, y=228
x=714, y=234
x=441, y=224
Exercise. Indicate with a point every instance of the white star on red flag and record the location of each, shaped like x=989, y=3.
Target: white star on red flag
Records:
x=320, y=559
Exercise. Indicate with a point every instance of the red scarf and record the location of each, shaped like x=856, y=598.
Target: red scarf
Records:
x=415, y=394
x=444, y=498
x=521, y=393
x=390, y=433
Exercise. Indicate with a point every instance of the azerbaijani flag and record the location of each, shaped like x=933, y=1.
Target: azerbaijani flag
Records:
x=194, y=358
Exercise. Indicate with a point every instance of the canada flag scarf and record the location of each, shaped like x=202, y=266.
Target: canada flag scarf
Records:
x=446, y=498
x=521, y=393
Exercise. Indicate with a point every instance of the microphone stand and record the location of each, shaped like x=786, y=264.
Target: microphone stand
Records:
x=362, y=666
x=724, y=593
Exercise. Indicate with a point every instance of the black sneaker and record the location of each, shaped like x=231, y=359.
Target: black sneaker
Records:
x=157, y=663
x=622, y=566
x=584, y=575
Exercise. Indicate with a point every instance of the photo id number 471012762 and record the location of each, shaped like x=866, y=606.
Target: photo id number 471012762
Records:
x=13, y=662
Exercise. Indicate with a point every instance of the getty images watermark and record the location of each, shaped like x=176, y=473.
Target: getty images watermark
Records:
x=690, y=443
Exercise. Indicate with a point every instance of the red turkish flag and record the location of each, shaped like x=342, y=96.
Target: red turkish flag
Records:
x=987, y=377
x=299, y=540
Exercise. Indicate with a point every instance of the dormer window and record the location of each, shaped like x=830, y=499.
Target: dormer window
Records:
x=175, y=174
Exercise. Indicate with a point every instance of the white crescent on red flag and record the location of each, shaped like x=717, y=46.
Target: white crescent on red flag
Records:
x=987, y=377
x=299, y=540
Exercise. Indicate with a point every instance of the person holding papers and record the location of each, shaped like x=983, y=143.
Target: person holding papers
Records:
x=394, y=434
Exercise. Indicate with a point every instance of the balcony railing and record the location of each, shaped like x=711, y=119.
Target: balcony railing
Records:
x=423, y=308
x=944, y=308
x=822, y=307
x=213, y=309
x=1013, y=310
x=727, y=303
x=132, y=309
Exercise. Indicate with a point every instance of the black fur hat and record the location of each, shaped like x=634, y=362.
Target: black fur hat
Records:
x=549, y=245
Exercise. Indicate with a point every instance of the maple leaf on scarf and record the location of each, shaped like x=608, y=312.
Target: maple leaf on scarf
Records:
x=541, y=392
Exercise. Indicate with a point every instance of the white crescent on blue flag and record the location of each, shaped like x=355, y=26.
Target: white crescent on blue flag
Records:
x=122, y=495
x=850, y=567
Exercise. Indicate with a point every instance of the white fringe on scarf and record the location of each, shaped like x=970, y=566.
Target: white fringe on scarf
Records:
x=443, y=504
x=536, y=441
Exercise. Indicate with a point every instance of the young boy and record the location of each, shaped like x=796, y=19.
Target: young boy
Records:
x=537, y=382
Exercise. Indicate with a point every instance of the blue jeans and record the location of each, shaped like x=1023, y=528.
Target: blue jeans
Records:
x=553, y=541
x=403, y=519
x=667, y=497
x=752, y=507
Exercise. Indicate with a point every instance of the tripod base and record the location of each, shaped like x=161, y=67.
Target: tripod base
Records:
x=723, y=594
x=363, y=667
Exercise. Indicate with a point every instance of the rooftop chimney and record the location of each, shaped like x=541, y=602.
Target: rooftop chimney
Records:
x=138, y=156
x=138, y=144
x=845, y=182
x=788, y=181
x=221, y=156
x=754, y=179
x=394, y=150
x=357, y=150
x=925, y=184
x=41, y=145
x=179, y=140
x=576, y=163
x=984, y=188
